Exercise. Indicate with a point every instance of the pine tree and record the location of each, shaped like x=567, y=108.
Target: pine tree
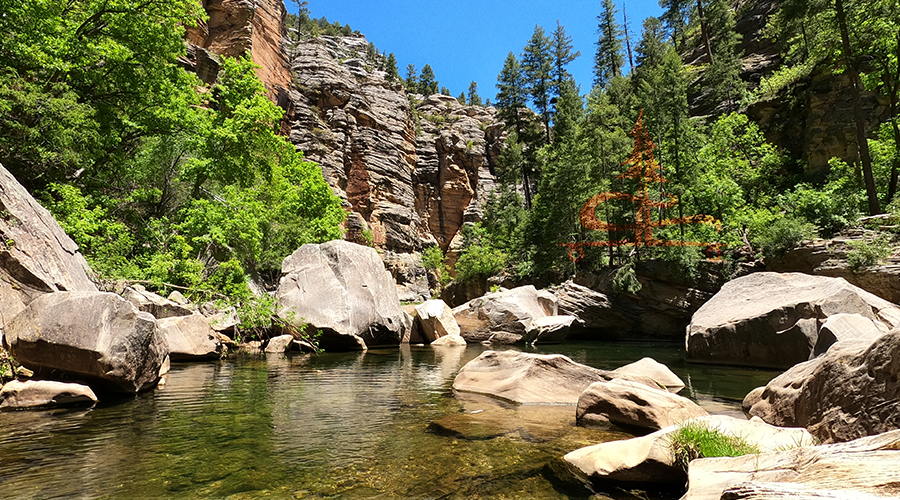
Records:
x=512, y=93
x=428, y=85
x=461, y=98
x=474, y=98
x=412, y=78
x=723, y=75
x=391, y=71
x=563, y=53
x=675, y=19
x=537, y=66
x=608, y=59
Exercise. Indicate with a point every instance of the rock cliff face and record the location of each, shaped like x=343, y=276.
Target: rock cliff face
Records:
x=411, y=169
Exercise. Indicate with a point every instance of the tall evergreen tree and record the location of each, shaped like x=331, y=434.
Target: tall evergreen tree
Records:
x=537, y=65
x=473, y=98
x=412, y=78
x=391, y=71
x=723, y=75
x=608, y=58
x=563, y=53
x=512, y=92
x=428, y=85
x=675, y=17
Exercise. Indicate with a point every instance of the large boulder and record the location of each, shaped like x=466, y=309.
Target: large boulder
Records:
x=157, y=305
x=859, y=470
x=17, y=395
x=633, y=405
x=190, y=337
x=504, y=317
x=772, y=320
x=97, y=336
x=549, y=330
x=527, y=378
x=435, y=320
x=36, y=255
x=650, y=458
x=852, y=391
x=342, y=289
x=649, y=367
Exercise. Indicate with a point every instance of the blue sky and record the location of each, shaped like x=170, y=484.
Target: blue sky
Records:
x=466, y=40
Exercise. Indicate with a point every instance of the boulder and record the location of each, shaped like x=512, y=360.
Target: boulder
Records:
x=36, y=255
x=17, y=395
x=159, y=306
x=190, y=337
x=630, y=405
x=772, y=320
x=660, y=373
x=549, y=330
x=504, y=316
x=436, y=320
x=527, y=378
x=280, y=344
x=862, y=469
x=649, y=459
x=844, y=327
x=450, y=341
x=342, y=289
x=98, y=336
x=851, y=391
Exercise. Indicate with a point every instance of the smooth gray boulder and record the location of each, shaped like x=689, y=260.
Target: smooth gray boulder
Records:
x=649, y=459
x=630, y=405
x=36, y=255
x=157, y=305
x=190, y=337
x=846, y=327
x=436, y=320
x=17, y=395
x=450, y=341
x=98, y=336
x=505, y=316
x=858, y=470
x=342, y=289
x=530, y=378
x=649, y=367
x=851, y=391
x=772, y=320
x=549, y=330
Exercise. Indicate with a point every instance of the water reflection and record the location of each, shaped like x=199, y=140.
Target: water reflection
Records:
x=383, y=422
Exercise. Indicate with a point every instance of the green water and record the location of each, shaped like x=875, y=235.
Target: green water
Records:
x=380, y=424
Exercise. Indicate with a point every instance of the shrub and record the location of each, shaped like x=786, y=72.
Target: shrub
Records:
x=782, y=235
x=696, y=440
x=866, y=253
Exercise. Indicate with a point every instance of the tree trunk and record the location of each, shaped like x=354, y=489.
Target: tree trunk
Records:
x=855, y=84
x=704, y=31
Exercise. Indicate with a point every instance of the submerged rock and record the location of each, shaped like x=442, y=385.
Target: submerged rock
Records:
x=17, y=395
x=772, y=320
x=530, y=378
x=95, y=335
x=342, y=289
x=862, y=469
x=851, y=391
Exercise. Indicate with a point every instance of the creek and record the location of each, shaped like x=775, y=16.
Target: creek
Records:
x=383, y=423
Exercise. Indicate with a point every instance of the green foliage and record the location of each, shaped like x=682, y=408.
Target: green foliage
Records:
x=782, y=235
x=478, y=259
x=696, y=440
x=625, y=280
x=869, y=252
x=434, y=261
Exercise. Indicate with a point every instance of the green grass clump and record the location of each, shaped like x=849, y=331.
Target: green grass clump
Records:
x=696, y=440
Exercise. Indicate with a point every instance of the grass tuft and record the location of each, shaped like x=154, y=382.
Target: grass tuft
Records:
x=697, y=440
